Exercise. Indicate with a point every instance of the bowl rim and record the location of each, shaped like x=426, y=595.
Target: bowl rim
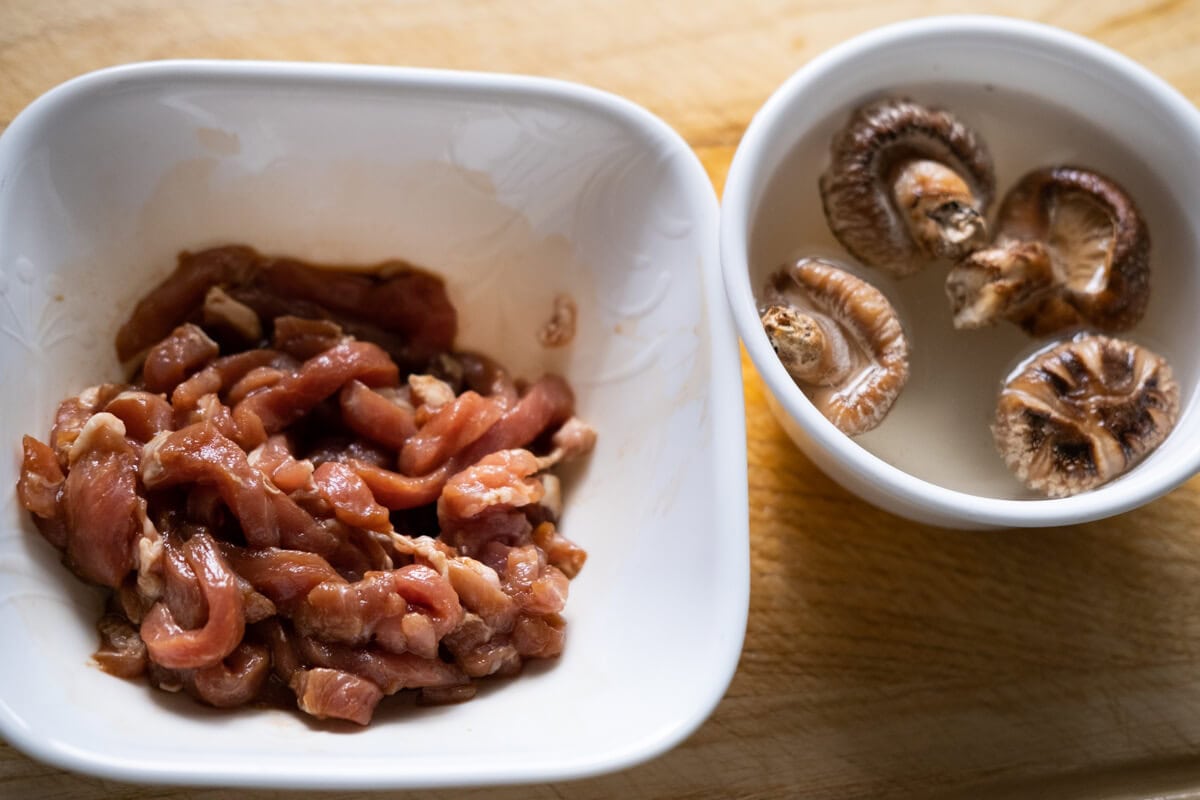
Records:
x=744, y=180
x=731, y=520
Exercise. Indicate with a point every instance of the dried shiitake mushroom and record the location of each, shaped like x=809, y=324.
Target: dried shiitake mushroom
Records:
x=840, y=340
x=1083, y=412
x=906, y=185
x=1071, y=249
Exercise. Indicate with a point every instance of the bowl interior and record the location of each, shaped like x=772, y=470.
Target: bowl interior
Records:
x=1037, y=97
x=515, y=191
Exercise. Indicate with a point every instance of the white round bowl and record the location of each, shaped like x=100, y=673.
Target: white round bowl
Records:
x=1037, y=95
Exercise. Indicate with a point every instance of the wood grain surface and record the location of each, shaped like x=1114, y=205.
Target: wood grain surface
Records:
x=882, y=658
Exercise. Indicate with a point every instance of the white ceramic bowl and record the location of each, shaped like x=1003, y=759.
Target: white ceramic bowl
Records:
x=1038, y=96
x=514, y=189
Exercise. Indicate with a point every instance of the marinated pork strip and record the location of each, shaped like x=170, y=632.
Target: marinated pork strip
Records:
x=501, y=524
x=40, y=485
x=323, y=604
x=479, y=590
x=200, y=454
x=181, y=295
x=176, y=357
x=547, y=402
x=182, y=593
x=173, y=647
x=408, y=633
x=74, y=412
x=233, y=681
x=537, y=587
x=335, y=694
x=373, y=416
x=255, y=380
x=470, y=634
x=391, y=672
x=281, y=642
x=320, y=377
x=285, y=577
x=398, y=492
x=560, y=551
x=223, y=373
x=101, y=502
x=122, y=652
x=430, y=595
x=337, y=611
x=500, y=480
x=350, y=613
x=395, y=296
x=451, y=428
x=329, y=693
x=274, y=460
x=539, y=636
x=304, y=338
x=475, y=505
x=271, y=307
x=492, y=656
x=483, y=646
x=350, y=497
x=143, y=413
x=211, y=410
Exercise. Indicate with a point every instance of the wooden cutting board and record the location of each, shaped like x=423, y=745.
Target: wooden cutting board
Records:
x=882, y=658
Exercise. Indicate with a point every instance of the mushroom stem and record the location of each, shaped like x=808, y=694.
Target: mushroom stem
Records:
x=939, y=209
x=1000, y=282
x=811, y=352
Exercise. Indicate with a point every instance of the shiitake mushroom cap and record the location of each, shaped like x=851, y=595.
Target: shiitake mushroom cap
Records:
x=867, y=171
x=1083, y=412
x=840, y=339
x=1071, y=249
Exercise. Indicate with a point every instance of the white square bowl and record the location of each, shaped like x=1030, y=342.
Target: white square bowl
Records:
x=514, y=189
